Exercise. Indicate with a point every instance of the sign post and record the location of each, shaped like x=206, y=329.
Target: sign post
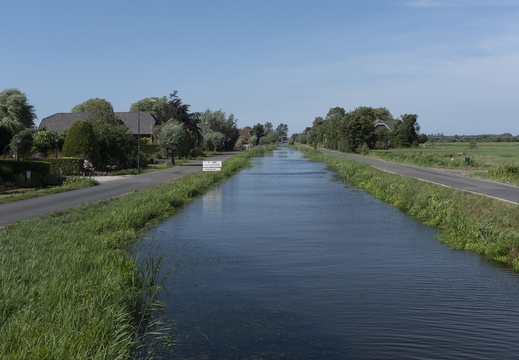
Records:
x=212, y=165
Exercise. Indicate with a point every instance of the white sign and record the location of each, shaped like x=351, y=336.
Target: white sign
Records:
x=212, y=165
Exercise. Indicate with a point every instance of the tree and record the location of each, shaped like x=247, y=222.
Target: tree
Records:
x=382, y=114
x=268, y=127
x=173, y=139
x=117, y=147
x=359, y=132
x=175, y=109
x=93, y=105
x=15, y=114
x=257, y=131
x=43, y=141
x=21, y=143
x=151, y=104
x=217, y=121
x=282, y=131
x=81, y=142
x=406, y=131
x=213, y=140
x=333, y=124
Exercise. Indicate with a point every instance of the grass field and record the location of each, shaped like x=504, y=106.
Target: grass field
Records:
x=497, y=161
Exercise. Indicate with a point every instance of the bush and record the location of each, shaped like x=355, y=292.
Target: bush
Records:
x=17, y=171
x=6, y=171
x=196, y=153
x=81, y=142
x=65, y=166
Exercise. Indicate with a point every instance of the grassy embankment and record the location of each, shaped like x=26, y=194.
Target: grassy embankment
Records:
x=69, y=289
x=467, y=221
x=497, y=161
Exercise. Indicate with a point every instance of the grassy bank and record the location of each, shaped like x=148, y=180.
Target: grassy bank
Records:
x=467, y=221
x=68, y=287
x=497, y=161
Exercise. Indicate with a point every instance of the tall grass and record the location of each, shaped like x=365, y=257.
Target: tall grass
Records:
x=467, y=221
x=69, y=289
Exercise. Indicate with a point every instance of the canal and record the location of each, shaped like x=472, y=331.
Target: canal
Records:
x=286, y=261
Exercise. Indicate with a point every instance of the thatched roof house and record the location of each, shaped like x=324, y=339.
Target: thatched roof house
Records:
x=61, y=122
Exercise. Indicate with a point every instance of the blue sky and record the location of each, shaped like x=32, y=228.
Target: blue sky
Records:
x=455, y=63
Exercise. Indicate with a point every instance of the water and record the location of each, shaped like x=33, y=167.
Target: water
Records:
x=285, y=261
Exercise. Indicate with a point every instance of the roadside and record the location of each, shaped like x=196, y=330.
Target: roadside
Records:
x=453, y=178
x=109, y=186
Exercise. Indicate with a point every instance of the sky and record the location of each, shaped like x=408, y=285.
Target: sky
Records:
x=454, y=63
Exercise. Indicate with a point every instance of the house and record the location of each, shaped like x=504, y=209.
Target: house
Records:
x=244, y=132
x=61, y=122
x=387, y=124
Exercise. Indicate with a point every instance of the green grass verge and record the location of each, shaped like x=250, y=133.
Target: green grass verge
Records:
x=467, y=221
x=70, y=184
x=496, y=161
x=69, y=288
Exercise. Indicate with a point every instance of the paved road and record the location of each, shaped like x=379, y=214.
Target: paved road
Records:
x=449, y=178
x=36, y=207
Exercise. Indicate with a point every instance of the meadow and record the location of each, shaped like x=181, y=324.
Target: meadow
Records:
x=497, y=161
x=70, y=287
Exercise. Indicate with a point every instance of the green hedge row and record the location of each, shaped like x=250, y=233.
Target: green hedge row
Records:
x=39, y=173
x=24, y=173
x=65, y=166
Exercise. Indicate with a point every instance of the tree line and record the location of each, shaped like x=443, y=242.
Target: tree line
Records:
x=357, y=130
x=108, y=145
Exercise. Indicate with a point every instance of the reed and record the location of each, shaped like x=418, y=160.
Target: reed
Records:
x=69, y=286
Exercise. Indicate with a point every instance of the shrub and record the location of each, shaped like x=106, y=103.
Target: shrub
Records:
x=43, y=142
x=81, y=142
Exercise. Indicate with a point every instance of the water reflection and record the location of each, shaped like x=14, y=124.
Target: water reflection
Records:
x=286, y=262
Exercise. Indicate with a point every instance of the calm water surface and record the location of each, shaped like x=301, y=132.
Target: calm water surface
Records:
x=285, y=261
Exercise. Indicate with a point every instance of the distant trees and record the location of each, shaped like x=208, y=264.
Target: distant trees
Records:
x=219, y=131
x=354, y=131
x=263, y=134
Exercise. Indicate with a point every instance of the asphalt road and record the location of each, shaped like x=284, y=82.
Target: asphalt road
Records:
x=36, y=207
x=445, y=177
x=33, y=208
